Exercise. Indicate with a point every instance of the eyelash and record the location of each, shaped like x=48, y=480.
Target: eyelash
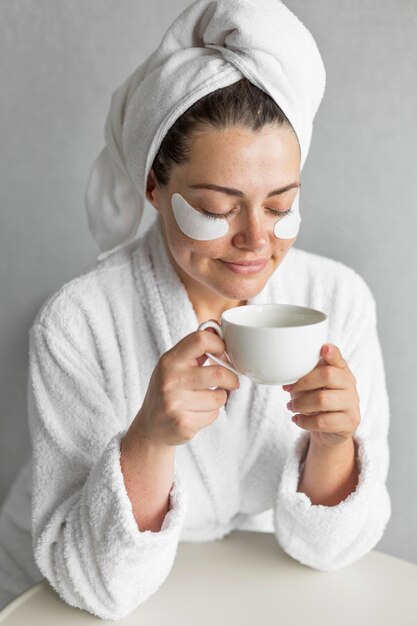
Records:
x=215, y=216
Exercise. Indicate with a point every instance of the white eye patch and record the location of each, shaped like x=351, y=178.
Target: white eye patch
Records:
x=203, y=228
x=195, y=224
x=287, y=227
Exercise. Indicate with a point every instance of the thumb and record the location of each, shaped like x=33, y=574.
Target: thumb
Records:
x=331, y=355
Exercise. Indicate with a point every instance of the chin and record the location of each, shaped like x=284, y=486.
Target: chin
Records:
x=244, y=292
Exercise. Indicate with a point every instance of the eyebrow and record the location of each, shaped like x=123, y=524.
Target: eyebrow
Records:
x=235, y=192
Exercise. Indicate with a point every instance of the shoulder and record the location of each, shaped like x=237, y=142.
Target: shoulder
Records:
x=328, y=284
x=326, y=275
x=87, y=300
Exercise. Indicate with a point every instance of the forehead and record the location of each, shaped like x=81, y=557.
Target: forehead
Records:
x=239, y=154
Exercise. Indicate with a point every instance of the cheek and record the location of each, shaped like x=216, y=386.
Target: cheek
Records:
x=281, y=246
x=190, y=250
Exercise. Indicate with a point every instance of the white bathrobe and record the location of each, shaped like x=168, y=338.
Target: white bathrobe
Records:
x=93, y=347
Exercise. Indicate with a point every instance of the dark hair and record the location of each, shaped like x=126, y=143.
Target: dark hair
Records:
x=240, y=104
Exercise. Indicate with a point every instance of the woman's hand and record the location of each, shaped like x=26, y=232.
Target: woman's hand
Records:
x=326, y=400
x=179, y=402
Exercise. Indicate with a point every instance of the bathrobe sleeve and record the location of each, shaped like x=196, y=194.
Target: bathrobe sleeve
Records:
x=329, y=537
x=85, y=539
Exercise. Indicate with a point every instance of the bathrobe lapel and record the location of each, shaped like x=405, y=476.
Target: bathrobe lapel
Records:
x=217, y=449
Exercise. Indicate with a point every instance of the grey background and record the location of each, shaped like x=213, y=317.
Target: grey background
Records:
x=60, y=61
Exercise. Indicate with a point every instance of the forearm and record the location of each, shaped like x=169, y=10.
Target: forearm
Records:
x=148, y=473
x=329, y=474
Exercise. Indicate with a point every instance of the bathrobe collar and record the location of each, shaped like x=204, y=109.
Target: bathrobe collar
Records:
x=170, y=317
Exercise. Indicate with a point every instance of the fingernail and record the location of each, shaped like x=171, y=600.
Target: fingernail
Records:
x=287, y=387
x=289, y=405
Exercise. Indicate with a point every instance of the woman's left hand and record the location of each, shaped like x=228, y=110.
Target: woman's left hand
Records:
x=326, y=401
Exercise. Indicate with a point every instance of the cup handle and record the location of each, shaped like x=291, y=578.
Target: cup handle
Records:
x=219, y=331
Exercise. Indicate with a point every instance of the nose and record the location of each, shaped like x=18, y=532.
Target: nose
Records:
x=252, y=233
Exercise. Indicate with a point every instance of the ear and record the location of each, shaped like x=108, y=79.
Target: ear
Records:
x=152, y=189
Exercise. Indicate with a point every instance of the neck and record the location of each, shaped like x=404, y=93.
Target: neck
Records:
x=207, y=304
x=206, y=312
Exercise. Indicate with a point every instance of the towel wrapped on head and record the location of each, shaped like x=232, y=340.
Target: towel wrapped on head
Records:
x=211, y=44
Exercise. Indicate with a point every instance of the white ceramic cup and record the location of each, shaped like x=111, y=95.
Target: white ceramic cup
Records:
x=272, y=344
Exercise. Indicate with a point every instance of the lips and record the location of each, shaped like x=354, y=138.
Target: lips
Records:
x=246, y=267
x=248, y=263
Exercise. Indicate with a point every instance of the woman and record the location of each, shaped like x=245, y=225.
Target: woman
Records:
x=138, y=441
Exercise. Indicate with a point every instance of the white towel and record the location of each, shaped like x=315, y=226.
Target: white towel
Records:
x=211, y=44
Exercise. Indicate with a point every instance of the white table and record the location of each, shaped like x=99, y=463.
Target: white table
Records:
x=246, y=579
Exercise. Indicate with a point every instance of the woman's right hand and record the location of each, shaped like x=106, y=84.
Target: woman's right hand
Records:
x=179, y=402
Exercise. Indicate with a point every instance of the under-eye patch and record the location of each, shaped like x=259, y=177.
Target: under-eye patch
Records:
x=288, y=227
x=195, y=224
x=198, y=226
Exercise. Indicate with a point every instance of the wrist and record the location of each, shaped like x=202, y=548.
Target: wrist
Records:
x=148, y=473
x=137, y=441
x=138, y=455
x=329, y=474
x=331, y=450
x=342, y=456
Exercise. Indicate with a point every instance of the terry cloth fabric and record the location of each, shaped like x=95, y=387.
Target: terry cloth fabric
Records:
x=93, y=347
x=211, y=44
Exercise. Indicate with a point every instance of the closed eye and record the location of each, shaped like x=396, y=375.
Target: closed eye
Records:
x=217, y=216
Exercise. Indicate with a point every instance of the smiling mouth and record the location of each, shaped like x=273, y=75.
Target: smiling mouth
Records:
x=239, y=268
x=247, y=263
